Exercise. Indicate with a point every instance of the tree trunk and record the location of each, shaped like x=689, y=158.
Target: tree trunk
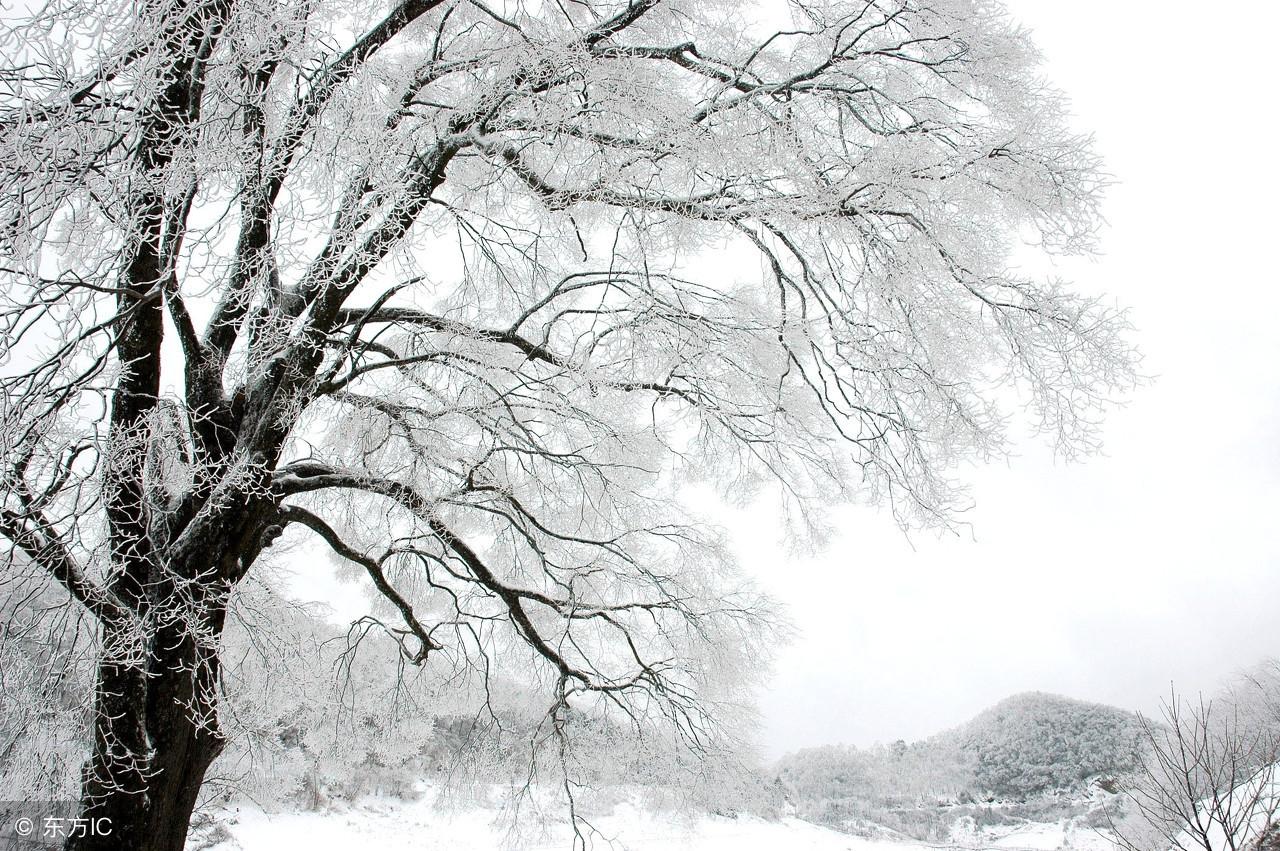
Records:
x=155, y=736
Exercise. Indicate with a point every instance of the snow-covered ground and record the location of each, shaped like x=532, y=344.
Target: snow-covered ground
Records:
x=383, y=824
x=386, y=825
x=1039, y=836
x=1030, y=836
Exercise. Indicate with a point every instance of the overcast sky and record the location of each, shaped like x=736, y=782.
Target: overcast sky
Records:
x=1158, y=562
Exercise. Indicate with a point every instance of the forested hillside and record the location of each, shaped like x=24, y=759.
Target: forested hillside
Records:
x=1012, y=762
x=1035, y=742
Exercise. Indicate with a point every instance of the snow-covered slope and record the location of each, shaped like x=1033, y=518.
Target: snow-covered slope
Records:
x=1245, y=813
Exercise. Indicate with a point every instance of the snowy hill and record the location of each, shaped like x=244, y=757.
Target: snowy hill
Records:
x=1035, y=742
x=1030, y=760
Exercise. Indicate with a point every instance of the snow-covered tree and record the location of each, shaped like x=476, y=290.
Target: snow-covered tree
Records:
x=466, y=289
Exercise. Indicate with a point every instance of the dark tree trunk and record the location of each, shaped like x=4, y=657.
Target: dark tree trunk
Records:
x=155, y=736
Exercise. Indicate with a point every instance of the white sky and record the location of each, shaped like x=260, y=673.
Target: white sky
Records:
x=1158, y=562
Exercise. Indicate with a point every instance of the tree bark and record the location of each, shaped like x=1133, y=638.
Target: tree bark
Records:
x=155, y=736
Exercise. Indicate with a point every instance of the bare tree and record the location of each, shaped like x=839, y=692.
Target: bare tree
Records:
x=466, y=289
x=1207, y=780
